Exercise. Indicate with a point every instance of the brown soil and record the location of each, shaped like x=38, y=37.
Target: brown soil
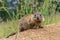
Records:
x=50, y=32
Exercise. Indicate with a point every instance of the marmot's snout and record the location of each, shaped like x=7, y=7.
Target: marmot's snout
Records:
x=37, y=18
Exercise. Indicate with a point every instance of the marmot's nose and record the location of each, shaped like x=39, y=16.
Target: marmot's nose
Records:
x=37, y=18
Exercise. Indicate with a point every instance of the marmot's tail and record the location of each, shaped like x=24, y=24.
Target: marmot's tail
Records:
x=10, y=35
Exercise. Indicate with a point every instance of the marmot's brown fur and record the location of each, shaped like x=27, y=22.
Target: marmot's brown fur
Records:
x=30, y=21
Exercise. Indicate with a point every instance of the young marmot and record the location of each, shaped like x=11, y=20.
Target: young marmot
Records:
x=30, y=22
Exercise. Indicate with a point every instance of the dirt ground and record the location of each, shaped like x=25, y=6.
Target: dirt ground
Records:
x=49, y=32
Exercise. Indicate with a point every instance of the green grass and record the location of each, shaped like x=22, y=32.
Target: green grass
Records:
x=8, y=28
x=51, y=19
x=11, y=26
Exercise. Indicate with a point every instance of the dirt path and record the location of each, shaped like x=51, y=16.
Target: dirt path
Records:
x=50, y=32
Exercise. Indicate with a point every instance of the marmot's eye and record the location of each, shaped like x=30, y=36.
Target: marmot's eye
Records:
x=40, y=15
x=34, y=16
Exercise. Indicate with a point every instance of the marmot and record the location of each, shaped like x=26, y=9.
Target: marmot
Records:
x=31, y=21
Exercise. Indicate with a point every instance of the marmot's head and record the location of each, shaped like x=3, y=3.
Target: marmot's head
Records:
x=38, y=17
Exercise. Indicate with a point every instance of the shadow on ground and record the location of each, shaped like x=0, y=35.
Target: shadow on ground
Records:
x=50, y=32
